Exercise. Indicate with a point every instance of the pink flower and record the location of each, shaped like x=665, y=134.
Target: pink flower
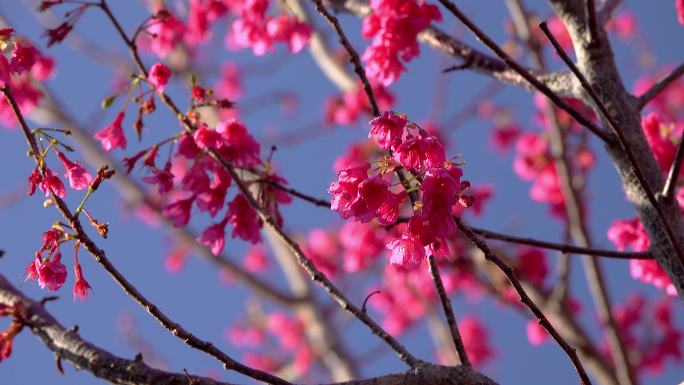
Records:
x=43, y=68
x=34, y=181
x=290, y=332
x=629, y=234
x=113, y=136
x=229, y=85
x=536, y=334
x=387, y=129
x=178, y=212
x=661, y=138
x=23, y=58
x=476, y=341
x=409, y=250
x=206, y=138
x=240, y=147
x=166, y=31
x=214, y=237
x=679, y=4
x=532, y=265
x=51, y=184
x=162, y=178
x=441, y=188
x=502, y=138
x=81, y=286
x=244, y=219
x=159, y=76
x=256, y=259
x=196, y=179
x=361, y=245
x=420, y=153
x=347, y=200
x=394, y=27
x=51, y=272
x=78, y=177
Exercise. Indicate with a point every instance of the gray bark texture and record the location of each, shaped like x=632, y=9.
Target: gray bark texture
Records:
x=597, y=63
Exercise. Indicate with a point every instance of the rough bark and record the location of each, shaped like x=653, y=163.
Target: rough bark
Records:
x=597, y=64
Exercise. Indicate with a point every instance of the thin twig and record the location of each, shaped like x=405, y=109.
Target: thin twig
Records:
x=660, y=85
x=353, y=55
x=562, y=247
x=557, y=100
x=524, y=298
x=448, y=312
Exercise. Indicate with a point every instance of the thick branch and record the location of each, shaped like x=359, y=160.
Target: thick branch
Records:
x=69, y=346
x=99, y=256
x=559, y=82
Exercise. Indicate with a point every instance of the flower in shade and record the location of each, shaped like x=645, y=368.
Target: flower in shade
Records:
x=214, y=237
x=178, y=212
x=113, y=136
x=246, y=223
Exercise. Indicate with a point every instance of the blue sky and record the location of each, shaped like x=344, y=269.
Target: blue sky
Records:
x=196, y=297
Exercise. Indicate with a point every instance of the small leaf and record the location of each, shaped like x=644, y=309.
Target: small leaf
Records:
x=108, y=101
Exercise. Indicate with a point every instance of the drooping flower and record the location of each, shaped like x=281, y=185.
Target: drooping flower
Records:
x=441, y=188
x=162, y=178
x=51, y=272
x=387, y=129
x=420, y=153
x=113, y=136
x=244, y=219
x=51, y=183
x=78, y=176
x=159, y=76
x=81, y=286
x=408, y=251
x=240, y=147
x=206, y=138
x=214, y=237
x=178, y=212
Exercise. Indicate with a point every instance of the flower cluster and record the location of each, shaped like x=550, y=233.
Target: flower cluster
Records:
x=649, y=332
x=347, y=108
x=47, y=267
x=394, y=26
x=630, y=234
x=420, y=157
x=25, y=65
x=257, y=30
x=289, y=334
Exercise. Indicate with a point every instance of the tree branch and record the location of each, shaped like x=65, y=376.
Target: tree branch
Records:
x=68, y=345
x=99, y=256
x=543, y=88
x=562, y=247
x=560, y=82
x=524, y=298
x=448, y=312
